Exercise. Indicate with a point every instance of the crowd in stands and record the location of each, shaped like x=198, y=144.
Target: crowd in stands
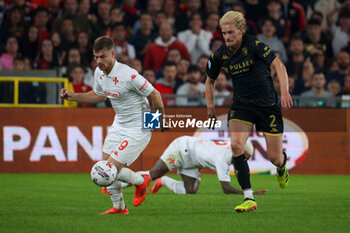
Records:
x=169, y=42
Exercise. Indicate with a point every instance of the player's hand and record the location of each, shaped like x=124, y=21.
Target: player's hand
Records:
x=260, y=192
x=211, y=115
x=286, y=101
x=66, y=94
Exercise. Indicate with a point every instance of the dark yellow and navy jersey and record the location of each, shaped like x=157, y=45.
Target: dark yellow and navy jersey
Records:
x=249, y=70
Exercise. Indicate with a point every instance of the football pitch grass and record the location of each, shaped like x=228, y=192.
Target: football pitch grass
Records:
x=51, y=203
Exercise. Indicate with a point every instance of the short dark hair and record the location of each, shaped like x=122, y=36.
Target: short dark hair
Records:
x=169, y=63
x=193, y=68
x=314, y=21
x=103, y=42
x=118, y=24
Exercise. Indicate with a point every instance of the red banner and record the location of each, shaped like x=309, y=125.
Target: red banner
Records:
x=64, y=140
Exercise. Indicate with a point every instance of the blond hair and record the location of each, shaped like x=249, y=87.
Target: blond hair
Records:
x=234, y=17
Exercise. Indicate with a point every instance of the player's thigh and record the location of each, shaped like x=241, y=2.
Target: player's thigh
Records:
x=129, y=147
x=172, y=156
x=239, y=133
x=191, y=183
x=270, y=121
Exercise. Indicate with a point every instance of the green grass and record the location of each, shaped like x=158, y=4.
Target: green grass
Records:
x=69, y=203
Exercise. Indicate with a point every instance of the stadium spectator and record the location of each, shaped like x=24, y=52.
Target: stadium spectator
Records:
x=182, y=19
x=54, y=10
x=252, y=29
x=144, y=36
x=318, y=60
x=154, y=6
x=196, y=39
x=103, y=26
x=343, y=61
x=314, y=39
x=303, y=83
x=131, y=13
x=268, y=36
x=346, y=89
x=182, y=69
x=221, y=92
x=317, y=96
x=136, y=64
x=170, y=10
x=157, y=51
x=67, y=33
x=80, y=23
x=167, y=85
x=149, y=74
x=212, y=25
x=11, y=48
x=340, y=36
x=296, y=57
x=124, y=58
x=41, y=21
x=14, y=23
x=119, y=39
x=29, y=45
x=293, y=12
x=76, y=74
x=18, y=63
x=334, y=87
x=322, y=8
x=215, y=44
x=158, y=19
x=84, y=46
x=282, y=25
x=254, y=10
x=192, y=92
x=211, y=6
x=48, y=57
x=116, y=15
x=202, y=65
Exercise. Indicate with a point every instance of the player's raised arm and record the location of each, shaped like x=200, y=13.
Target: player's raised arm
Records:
x=210, y=95
x=286, y=99
x=88, y=97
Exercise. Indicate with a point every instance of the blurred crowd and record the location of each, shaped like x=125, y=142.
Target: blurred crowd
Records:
x=169, y=43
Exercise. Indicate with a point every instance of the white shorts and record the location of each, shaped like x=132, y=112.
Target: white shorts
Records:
x=125, y=146
x=176, y=156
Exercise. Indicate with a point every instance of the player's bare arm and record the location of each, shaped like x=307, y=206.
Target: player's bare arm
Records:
x=157, y=103
x=286, y=99
x=210, y=95
x=228, y=189
x=88, y=97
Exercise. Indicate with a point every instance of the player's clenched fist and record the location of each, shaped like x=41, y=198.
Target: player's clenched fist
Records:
x=66, y=94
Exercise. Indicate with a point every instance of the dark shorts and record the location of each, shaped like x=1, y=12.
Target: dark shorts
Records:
x=266, y=119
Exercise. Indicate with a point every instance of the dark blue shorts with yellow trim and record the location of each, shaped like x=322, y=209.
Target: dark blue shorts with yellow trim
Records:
x=266, y=119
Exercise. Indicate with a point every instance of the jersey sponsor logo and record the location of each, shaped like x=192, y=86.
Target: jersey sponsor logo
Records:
x=151, y=120
x=115, y=80
x=224, y=57
x=133, y=77
x=115, y=94
x=144, y=86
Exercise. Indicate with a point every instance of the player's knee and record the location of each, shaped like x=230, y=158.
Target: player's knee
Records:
x=237, y=147
x=276, y=158
x=191, y=191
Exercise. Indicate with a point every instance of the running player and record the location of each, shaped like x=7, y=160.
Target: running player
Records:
x=247, y=62
x=127, y=90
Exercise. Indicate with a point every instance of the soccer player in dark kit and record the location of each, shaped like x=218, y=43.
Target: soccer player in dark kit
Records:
x=247, y=62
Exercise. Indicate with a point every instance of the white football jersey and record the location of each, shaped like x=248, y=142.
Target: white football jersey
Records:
x=208, y=154
x=127, y=90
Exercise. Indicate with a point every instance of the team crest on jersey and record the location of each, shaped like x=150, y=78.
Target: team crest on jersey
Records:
x=245, y=51
x=224, y=57
x=257, y=42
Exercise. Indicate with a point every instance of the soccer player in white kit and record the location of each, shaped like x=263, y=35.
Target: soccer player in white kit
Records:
x=188, y=154
x=128, y=91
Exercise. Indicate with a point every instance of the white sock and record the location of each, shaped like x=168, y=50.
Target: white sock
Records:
x=116, y=195
x=248, y=193
x=177, y=187
x=144, y=173
x=124, y=185
x=128, y=176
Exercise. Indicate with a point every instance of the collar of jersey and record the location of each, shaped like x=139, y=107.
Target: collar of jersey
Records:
x=113, y=71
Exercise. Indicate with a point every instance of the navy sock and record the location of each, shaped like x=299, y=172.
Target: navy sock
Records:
x=242, y=171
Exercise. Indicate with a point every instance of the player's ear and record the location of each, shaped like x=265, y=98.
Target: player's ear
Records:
x=113, y=53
